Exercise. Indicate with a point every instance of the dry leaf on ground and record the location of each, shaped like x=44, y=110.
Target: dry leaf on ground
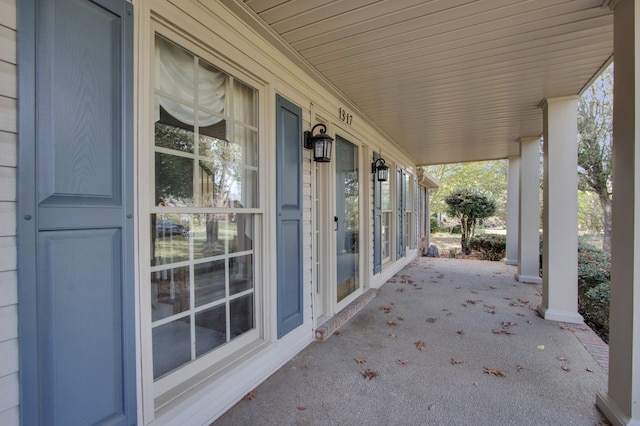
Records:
x=494, y=372
x=456, y=361
x=420, y=344
x=402, y=361
x=460, y=332
x=432, y=320
x=251, y=395
x=370, y=374
x=301, y=408
x=361, y=360
x=392, y=323
x=566, y=368
x=392, y=335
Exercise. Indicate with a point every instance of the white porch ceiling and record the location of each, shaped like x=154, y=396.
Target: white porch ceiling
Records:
x=448, y=80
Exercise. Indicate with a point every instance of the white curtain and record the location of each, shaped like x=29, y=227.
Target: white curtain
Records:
x=176, y=76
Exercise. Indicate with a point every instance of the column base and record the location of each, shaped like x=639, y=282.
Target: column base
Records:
x=511, y=262
x=612, y=412
x=562, y=316
x=530, y=279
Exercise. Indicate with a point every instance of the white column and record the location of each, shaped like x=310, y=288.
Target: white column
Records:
x=621, y=402
x=560, y=211
x=513, y=199
x=529, y=211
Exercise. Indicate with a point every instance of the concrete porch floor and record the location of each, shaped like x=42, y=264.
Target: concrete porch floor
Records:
x=438, y=338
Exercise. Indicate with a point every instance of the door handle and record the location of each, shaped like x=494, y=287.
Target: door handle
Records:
x=335, y=219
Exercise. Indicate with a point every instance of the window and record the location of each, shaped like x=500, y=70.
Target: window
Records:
x=387, y=217
x=202, y=287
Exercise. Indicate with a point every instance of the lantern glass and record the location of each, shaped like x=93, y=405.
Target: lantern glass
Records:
x=322, y=149
x=383, y=173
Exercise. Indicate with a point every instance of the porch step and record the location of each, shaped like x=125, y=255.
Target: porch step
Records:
x=331, y=325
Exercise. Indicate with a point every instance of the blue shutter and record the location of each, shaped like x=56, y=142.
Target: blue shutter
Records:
x=377, y=221
x=289, y=210
x=75, y=212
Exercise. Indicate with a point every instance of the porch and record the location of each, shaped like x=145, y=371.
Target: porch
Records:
x=434, y=346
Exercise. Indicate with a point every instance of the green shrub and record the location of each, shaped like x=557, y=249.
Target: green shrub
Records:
x=489, y=246
x=594, y=266
x=457, y=229
x=434, y=225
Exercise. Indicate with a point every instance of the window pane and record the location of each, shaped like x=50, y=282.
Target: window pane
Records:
x=248, y=139
x=174, y=180
x=212, y=88
x=174, y=70
x=169, y=292
x=171, y=346
x=245, y=103
x=240, y=274
x=209, y=280
x=241, y=315
x=173, y=134
x=240, y=232
x=207, y=238
x=221, y=166
x=386, y=195
x=169, y=239
x=211, y=329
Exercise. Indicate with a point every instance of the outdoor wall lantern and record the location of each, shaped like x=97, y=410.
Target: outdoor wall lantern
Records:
x=320, y=144
x=380, y=169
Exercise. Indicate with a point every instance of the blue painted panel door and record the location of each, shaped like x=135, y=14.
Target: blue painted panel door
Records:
x=76, y=213
x=289, y=210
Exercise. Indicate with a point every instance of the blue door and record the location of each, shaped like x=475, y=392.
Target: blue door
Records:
x=75, y=213
x=289, y=211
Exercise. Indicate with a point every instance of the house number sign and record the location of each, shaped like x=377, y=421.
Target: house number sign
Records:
x=345, y=116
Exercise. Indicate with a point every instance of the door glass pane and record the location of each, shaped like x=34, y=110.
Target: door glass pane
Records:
x=348, y=214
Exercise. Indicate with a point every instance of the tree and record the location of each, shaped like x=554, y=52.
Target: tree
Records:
x=469, y=206
x=595, y=130
x=488, y=176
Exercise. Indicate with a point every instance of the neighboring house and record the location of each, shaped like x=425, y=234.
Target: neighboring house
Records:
x=171, y=243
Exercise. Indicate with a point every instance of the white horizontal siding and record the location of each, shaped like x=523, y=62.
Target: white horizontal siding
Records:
x=9, y=352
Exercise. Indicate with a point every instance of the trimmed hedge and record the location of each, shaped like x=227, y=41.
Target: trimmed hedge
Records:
x=489, y=246
x=594, y=292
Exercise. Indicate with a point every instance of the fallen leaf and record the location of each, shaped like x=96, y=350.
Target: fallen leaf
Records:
x=420, y=344
x=460, y=332
x=370, y=374
x=250, y=396
x=519, y=367
x=562, y=358
x=432, y=320
x=402, y=361
x=400, y=318
x=503, y=331
x=301, y=408
x=392, y=335
x=509, y=324
x=565, y=368
x=490, y=306
x=464, y=304
x=474, y=383
x=491, y=311
x=471, y=301
x=386, y=309
x=336, y=333
x=494, y=372
x=445, y=310
x=455, y=361
x=589, y=370
x=493, y=288
x=541, y=347
x=565, y=327
x=361, y=360
x=392, y=323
